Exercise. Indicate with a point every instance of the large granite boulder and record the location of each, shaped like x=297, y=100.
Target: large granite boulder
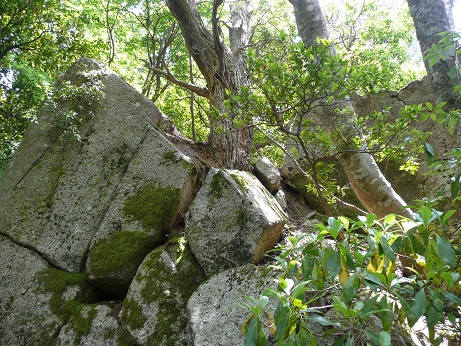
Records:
x=215, y=315
x=154, y=310
x=233, y=221
x=66, y=191
x=268, y=174
x=59, y=186
x=35, y=299
x=152, y=198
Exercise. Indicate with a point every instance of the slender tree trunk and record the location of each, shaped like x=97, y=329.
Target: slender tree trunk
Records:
x=367, y=181
x=231, y=145
x=430, y=18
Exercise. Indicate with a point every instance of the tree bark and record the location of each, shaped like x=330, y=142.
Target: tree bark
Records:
x=430, y=18
x=369, y=184
x=231, y=145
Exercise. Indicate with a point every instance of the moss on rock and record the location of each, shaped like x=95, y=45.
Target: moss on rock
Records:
x=154, y=207
x=217, y=185
x=69, y=293
x=165, y=281
x=240, y=181
x=119, y=254
x=56, y=282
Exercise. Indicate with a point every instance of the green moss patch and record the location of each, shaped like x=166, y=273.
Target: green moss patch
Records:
x=169, y=289
x=121, y=253
x=56, y=282
x=154, y=207
x=241, y=182
x=132, y=313
x=217, y=185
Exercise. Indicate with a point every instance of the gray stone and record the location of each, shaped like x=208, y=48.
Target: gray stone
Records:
x=233, y=221
x=281, y=199
x=215, y=317
x=56, y=190
x=268, y=174
x=154, y=310
x=153, y=196
x=35, y=299
x=419, y=185
x=94, y=325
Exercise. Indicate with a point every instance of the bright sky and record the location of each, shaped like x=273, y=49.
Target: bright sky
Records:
x=457, y=14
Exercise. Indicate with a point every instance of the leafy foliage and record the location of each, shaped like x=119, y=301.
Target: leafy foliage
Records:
x=299, y=96
x=346, y=272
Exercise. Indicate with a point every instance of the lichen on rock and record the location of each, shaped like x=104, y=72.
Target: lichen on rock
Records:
x=154, y=311
x=234, y=220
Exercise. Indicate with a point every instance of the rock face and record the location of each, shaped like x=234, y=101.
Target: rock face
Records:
x=268, y=174
x=154, y=311
x=419, y=185
x=59, y=189
x=94, y=325
x=35, y=298
x=92, y=213
x=214, y=315
x=232, y=211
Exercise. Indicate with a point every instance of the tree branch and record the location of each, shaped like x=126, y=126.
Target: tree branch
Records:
x=286, y=152
x=204, y=92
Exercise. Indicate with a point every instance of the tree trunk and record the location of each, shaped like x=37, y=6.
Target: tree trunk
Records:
x=430, y=18
x=231, y=145
x=367, y=181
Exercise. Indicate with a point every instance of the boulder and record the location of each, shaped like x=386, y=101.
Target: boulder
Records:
x=268, y=174
x=281, y=199
x=154, y=310
x=35, y=299
x=233, y=221
x=94, y=325
x=215, y=315
x=58, y=187
x=152, y=198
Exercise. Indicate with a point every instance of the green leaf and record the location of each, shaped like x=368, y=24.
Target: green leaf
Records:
x=304, y=337
x=430, y=152
x=452, y=298
x=323, y=321
x=384, y=338
x=446, y=252
x=334, y=264
x=340, y=306
x=386, y=248
x=419, y=304
x=368, y=307
x=254, y=335
x=286, y=284
x=450, y=277
x=374, y=337
x=299, y=289
x=433, y=316
x=447, y=215
x=408, y=311
x=350, y=342
x=389, y=219
x=426, y=216
x=334, y=227
x=283, y=323
x=350, y=287
x=340, y=341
